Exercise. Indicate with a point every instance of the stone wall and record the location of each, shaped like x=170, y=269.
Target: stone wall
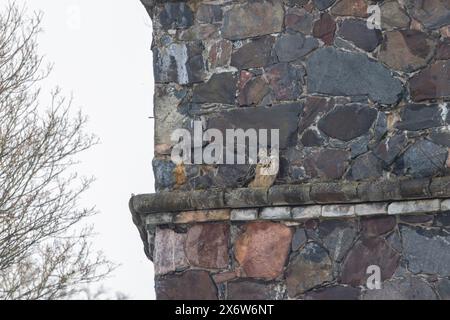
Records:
x=364, y=123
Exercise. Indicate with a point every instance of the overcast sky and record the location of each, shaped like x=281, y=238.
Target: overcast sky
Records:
x=101, y=55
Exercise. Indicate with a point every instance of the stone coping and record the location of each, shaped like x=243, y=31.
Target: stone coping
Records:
x=292, y=195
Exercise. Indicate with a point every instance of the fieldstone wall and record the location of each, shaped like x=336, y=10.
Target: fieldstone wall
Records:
x=364, y=124
x=304, y=252
x=351, y=102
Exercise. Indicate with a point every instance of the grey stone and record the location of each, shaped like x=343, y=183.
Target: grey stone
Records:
x=309, y=268
x=348, y=122
x=298, y=20
x=245, y=20
x=163, y=171
x=337, y=237
x=176, y=15
x=306, y=212
x=179, y=62
x=207, y=13
x=299, y=239
x=293, y=46
x=441, y=137
x=341, y=210
x=393, y=16
x=283, y=117
x=244, y=214
x=433, y=14
x=360, y=145
x=426, y=250
x=272, y=213
x=356, y=31
x=169, y=253
x=253, y=290
x=443, y=288
x=332, y=71
x=220, y=88
x=416, y=206
x=408, y=288
x=424, y=159
x=365, y=209
x=173, y=287
x=255, y=54
x=420, y=116
x=159, y=218
x=366, y=166
x=323, y=4
x=395, y=241
x=334, y=293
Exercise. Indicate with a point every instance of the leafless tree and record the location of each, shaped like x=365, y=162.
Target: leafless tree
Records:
x=45, y=251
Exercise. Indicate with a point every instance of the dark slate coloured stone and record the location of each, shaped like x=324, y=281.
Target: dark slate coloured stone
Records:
x=325, y=28
x=327, y=163
x=377, y=226
x=359, y=146
x=332, y=71
x=295, y=3
x=388, y=149
x=433, y=14
x=417, y=219
x=443, y=220
x=348, y=122
x=337, y=237
x=176, y=15
x=407, y=288
x=366, y=166
x=420, y=116
x=406, y=50
x=441, y=137
x=356, y=31
x=426, y=250
x=298, y=20
x=255, y=54
x=208, y=13
x=163, y=171
x=443, y=288
x=311, y=138
x=173, y=287
x=283, y=117
x=309, y=268
x=334, y=293
x=293, y=46
x=253, y=290
x=314, y=106
x=285, y=81
x=424, y=159
x=252, y=19
x=299, y=239
x=367, y=252
x=234, y=176
x=179, y=62
x=220, y=88
x=432, y=82
x=381, y=126
x=323, y=4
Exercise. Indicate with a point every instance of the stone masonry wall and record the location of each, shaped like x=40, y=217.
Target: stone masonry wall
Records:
x=303, y=253
x=350, y=102
x=364, y=176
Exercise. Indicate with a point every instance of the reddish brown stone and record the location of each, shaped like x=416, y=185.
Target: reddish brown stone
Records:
x=253, y=91
x=443, y=52
x=285, y=81
x=262, y=249
x=376, y=226
x=191, y=285
x=327, y=163
x=355, y=8
x=367, y=252
x=406, y=50
x=220, y=54
x=225, y=276
x=313, y=107
x=325, y=28
x=207, y=245
x=432, y=82
x=298, y=20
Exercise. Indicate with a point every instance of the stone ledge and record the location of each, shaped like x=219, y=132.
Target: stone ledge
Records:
x=293, y=195
x=297, y=214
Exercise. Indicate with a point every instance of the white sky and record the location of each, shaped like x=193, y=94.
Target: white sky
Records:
x=101, y=54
